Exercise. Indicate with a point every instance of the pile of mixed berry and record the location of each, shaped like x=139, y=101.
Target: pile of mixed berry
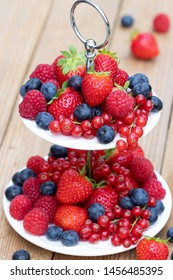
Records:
x=76, y=195
x=65, y=99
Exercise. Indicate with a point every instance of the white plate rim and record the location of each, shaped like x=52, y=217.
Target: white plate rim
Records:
x=86, y=249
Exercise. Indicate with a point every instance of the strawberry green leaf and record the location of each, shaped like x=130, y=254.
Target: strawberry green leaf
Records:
x=61, y=61
x=66, y=54
x=72, y=50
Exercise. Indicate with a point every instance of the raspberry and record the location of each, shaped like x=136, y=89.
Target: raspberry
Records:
x=33, y=103
x=36, y=221
x=161, y=23
x=121, y=77
x=49, y=204
x=141, y=168
x=154, y=188
x=31, y=188
x=44, y=72
x=34, y=163
x=20, y=206
x=119, y=104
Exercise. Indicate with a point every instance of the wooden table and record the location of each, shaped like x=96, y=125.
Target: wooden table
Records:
x=33, y=32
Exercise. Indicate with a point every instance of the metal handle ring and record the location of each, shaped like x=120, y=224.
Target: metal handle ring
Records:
x=107, y=25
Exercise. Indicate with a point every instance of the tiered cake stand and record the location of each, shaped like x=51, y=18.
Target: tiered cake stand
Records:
x=86, y=248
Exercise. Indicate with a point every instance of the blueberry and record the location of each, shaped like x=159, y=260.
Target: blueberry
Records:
x=139, y=196
x=33, y=83
x=48, y=90
x=141, y=88
x=21, y=255
x=48, y=188
x=157, y=103
x=137, y=78
x=13, y=191
x=16, y=179
x=170, y=234
x=58, y=151
x=43, y=120
x=172, y=256
x=82, y=112
x=54, y=233
x=159, y=207
x=126, y=202
x=153, y=215
x=95, y=210
x=70, y=238
x=75, y=82
x=127, y=21
x=96, y=111
x=26, y=173
x=105, y=134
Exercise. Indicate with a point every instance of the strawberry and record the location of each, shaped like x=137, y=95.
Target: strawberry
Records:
x=121, y=77
x=105, y=195
x=49, y=204
x=106, y=61
x=70, y=217
x=73, y=188
x=144, y=46
x=150, y=248
x=161, y=23
x=65, y=103
x=44, y=72
x=69, y=64
x=96, y=87
x=119, y=104
x=36, y=221
x=20, y=206
x=141, y=168
x=33, y=103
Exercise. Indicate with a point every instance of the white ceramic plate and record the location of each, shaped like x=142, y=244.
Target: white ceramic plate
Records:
x=85, y=248
x=82, y=143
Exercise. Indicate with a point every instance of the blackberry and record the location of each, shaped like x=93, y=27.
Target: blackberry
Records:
x=43, y=120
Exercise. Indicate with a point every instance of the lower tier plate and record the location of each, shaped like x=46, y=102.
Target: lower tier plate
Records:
x=86, y=248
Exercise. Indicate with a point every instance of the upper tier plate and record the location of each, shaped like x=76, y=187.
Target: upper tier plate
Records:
x=86, y=248
x=82, y=143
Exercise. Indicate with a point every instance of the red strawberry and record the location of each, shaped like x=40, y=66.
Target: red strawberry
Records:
x=44, y=72
x=65, y=103
x=36, y=221
x=106, y=196
x=49, y=204
x=161, y=22
x=106, y=61
x=121, y=77
x=154, y=188
x=69, y=64
x=73, y=188
x=150, y=248
x=34, y=163
x=96, y=87
x=141, y=168
x=144, y=46
x=70, y=217
x=32, y=104
x=20, y=206
x=31, y=188
x=119, y=104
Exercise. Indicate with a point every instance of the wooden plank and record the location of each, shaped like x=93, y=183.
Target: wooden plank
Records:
x=18, y=40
